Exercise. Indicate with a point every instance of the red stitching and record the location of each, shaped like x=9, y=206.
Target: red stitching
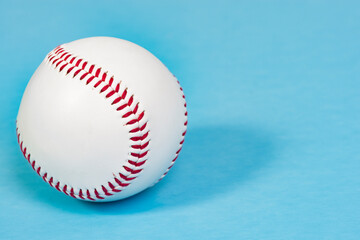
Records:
x=136, y=164
x=116, y=101
x=106, y=191
x=81, y=194
x=58, y=63
x=104, y=88
x=136, y=108
x=132, y=171
x=62, y=67
x=58, y=56
x=65, y=189
x=127, y=114
x=130, y=100
x=121, y=183
x=50, y=181
x=126, y=178
x=117, y=88
x=67, y=57
x=98, y=72
x=113, y=187
x=70, y=69
x=141, y=146
x=139, y=155
x=88, y=196
x=83, y=66
x=97, y=194
x=72, y=194
x=76, y=73
x=141, y=115
x=83, y=76
x=138, y=129
x=33, y=165
x=140, y=137
x=78, y=62
x=57, y=185
x=72, y=60
x=91, y=68
x=121, y=107
x=44, y=177
x=182, y=139
x=89, y=80
x=110, y=94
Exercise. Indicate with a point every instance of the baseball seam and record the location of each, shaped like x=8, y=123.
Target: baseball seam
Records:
x=182, y=137
x=64, y=61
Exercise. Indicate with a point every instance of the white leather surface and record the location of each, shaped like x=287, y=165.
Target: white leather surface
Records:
x=77, y=137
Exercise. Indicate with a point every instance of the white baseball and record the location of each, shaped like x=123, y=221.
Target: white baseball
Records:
x=101, y=119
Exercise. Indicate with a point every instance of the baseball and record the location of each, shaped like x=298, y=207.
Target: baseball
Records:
x=101, y=119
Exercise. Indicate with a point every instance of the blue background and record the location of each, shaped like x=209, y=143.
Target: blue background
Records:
x=272, y=150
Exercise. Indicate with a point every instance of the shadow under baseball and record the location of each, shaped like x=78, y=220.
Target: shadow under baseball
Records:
x=214, y=160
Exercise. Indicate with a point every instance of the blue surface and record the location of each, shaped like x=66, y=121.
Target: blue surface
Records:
x=273, y=92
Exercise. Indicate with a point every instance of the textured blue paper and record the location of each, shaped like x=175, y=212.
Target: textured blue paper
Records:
x=272, y=150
